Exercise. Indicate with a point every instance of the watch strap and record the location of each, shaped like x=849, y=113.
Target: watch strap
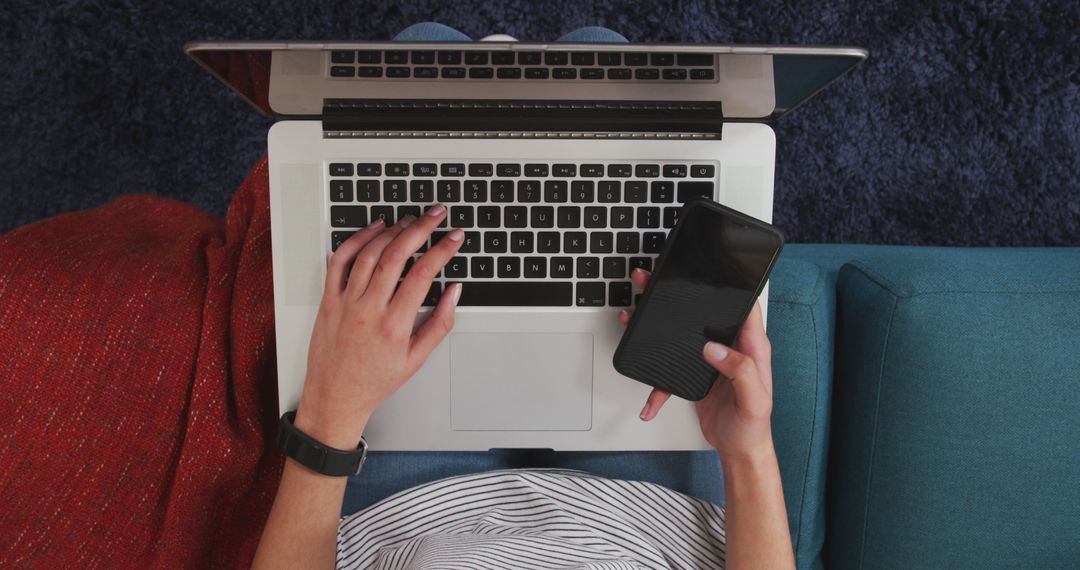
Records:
x=314, y=455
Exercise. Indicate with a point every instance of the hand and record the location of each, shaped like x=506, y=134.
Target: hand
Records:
x=735, y=415
x=363, y=346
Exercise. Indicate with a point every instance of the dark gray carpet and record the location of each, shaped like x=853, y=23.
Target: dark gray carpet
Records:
x=963, y=127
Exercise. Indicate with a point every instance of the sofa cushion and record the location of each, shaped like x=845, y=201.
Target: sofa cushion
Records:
x=956, y=431
x=800, y=326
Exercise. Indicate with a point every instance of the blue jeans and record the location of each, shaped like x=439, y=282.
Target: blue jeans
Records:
x=695, y=473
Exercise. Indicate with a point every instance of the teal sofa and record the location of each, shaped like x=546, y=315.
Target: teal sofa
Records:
x=927, y=405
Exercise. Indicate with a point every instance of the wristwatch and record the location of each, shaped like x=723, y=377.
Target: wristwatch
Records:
x=320, y=458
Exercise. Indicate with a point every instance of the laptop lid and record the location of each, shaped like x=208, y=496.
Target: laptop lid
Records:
x=382, y=87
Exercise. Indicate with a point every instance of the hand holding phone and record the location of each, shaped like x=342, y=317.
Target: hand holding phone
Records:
x=713, y=268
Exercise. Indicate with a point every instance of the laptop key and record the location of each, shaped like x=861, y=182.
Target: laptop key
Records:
x=635, y=192
x=488, y=217
x=555, y=191
x=647, y=170
x=648, y=217
x=453, y=72
x=521, y=242
x=671, y=217
x=516, y=217
x=480, y=266
x=425, y=57
x=457, y=267
x=663, y=59
x=582, y=58
x=595, y=217
x=568, y=217
x=422, y=191
x=508, y=73
x=608, y=192
x=384, y=213
x=614, y=268
x=627, y=242
x=674, y=171
x=494, y=242
x=528, y=58
x=619, y=293
x=397, y=57
x=581, y=191
x=588, y=267
x=646, y=73
x=481, y=72
x=564, y=170
x=509, y=267
x=690, y=190
x=609, y=58
x=600, y=242
x=619, y=73
x=341, y=169
x=403, y=211
x=548, y=242
x=449, y=190
x=425, y=72
x=528, y=191
x=348, y=216
x=508, y=170
x=502, y=191
x=397, y=169
x=619, y=170
x=556, y=58
x=341, y=191
x=394, y=191
x=517, y=294
x=702, y=74
x=542, y=217
x=476, y=57
x=461, y=216
x=369, y=56
x=449, y=58
x=641, y=263
x=369, y=72
x=622, y=217
x=502, y=58
x=471, y=243
x=592, y=73
x=574, y=242
x=368, y=169
x=452, y=169
x=564, y=73
x=675, y=73
x=536, y=170
x=702, y=171
x=476, y=190
x=694, y=59
x=425, y=169
x=338, y=238
x=536, y=73
x=342, y=56
x=636, y=58
x=592, y=170
x=433, y=295
x=663, y=191
x=652, y=242
x=342, y=71
x=535, y=267
x=480, y=170
x=397, y=72
x=590, y=294
x=562, y=267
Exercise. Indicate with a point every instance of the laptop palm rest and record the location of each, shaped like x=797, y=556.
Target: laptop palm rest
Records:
x=521, y=381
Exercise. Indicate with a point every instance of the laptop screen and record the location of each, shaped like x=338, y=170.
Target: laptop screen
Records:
x=751, y=83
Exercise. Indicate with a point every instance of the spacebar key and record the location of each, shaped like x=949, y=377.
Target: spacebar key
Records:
x=517, y=294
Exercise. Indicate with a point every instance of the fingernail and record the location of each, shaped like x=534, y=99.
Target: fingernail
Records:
x=715, y=351
x=624, y=313
x=436, y=210
x=407, y=221
x=644, y=411
x=456, y=235
x=378, y=222
x=457, y=293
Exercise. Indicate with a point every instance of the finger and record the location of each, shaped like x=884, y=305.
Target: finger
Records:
x=753, y=343
x=392, y=262
x=365, y=262
x=640, y=277
x=625, y=316
x=338, y=268
x=411, y=293
x=653, y=403
x=435, y=328
x=750, y=393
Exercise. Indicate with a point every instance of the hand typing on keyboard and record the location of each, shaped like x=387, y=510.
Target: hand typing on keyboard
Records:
x=363, y=346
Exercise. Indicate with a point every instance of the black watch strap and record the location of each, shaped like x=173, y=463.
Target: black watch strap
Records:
x=310, y=453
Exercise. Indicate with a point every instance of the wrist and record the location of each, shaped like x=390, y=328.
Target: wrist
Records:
x=341, y=435
x=751, y=460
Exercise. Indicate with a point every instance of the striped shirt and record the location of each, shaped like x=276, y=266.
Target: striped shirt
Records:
x=534, y=519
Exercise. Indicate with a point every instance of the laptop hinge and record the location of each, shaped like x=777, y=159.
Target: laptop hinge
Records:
x=374, y=118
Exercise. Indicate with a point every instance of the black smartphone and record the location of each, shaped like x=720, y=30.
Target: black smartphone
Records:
x=712, y=269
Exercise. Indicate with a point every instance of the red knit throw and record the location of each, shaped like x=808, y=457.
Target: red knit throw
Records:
x=138, y=399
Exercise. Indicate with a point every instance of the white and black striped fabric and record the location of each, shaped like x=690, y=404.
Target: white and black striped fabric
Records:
x=534, y=519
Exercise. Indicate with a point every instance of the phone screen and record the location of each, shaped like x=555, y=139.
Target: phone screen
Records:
x=706, y=284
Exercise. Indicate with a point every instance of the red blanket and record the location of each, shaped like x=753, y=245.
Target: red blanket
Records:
x=137, y=394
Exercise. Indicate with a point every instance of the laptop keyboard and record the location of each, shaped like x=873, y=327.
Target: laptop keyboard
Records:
x=544, y=234
x=508, y=65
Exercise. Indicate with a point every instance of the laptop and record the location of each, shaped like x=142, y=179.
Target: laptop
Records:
x=565, y=164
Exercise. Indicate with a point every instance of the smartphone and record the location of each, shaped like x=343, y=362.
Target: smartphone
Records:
x=713, y=267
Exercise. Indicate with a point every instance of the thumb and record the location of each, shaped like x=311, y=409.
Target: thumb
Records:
x=750, y=393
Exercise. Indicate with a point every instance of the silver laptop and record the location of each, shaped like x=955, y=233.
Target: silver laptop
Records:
x=565, y=164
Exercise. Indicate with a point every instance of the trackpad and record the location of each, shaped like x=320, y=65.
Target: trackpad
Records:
x=521, y=381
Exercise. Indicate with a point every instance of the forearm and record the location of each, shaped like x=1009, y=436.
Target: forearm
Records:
x=302, y=529
x=756, y=519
